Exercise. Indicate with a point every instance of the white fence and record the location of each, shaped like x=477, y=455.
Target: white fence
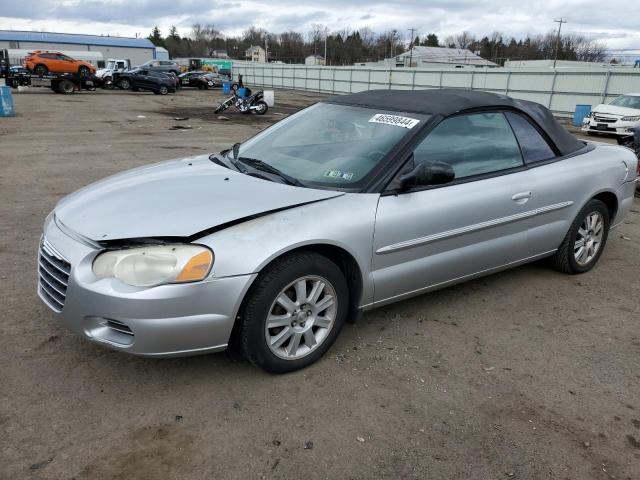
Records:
x=559, y=90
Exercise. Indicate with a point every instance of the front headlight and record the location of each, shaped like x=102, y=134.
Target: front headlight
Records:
x=631, y=119
x=155, y=265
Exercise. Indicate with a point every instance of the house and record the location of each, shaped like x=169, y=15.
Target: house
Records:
x=314, y=60
x=256, y=53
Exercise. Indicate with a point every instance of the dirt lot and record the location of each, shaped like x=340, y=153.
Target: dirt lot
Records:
x=526, y=374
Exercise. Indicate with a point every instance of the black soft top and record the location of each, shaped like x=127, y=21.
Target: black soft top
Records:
x=449, y=101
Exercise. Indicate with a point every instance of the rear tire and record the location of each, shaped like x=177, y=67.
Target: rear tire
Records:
x=306, y=324
x=264, y=107
x=163, y=90
x=585, y=240
x=66, y=87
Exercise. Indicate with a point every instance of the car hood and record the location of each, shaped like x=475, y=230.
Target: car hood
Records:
x=178, y=198
x=616, y=111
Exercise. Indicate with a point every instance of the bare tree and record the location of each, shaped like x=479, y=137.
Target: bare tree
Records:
x=316, y=35
x=368, y=37
x=464, y=40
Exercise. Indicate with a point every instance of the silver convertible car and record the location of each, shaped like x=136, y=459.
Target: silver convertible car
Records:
x=350, y=204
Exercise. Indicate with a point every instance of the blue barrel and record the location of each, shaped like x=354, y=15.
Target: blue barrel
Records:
x=226, y=87
x=242, y=92
x=6, y=102
x=581, y=112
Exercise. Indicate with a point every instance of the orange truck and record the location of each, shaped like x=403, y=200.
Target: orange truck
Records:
x=43, y=62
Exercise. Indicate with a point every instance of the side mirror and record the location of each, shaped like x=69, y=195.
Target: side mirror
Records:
x=424, y=174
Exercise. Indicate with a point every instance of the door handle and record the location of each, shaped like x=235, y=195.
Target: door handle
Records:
x=521, y=198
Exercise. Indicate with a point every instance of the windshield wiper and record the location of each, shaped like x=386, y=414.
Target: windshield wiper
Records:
x=232, y=158
x=265, y=167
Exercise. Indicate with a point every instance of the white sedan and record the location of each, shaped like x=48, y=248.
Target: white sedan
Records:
x=618, y=117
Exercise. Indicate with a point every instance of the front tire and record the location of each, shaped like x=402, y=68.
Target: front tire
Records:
x=83, y=71
x=124, y=84
x=294, y=312
x=585, y=240
x=163, y=90
x=41, y=70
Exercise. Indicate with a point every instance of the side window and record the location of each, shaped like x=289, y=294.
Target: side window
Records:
x=472, y=144
x=534, y=147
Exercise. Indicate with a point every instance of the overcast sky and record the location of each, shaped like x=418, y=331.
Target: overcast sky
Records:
x=615, y=21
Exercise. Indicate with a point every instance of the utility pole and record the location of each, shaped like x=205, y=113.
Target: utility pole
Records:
x=559, y=22
x=325, y=45
x=411, y=47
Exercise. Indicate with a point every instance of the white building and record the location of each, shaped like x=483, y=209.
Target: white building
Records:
x=314, y=60
x=562, y=64
x=438, y=57
x=256, y=53
x=138, y=50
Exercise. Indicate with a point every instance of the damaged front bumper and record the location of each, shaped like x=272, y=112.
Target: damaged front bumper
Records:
x=167, y=320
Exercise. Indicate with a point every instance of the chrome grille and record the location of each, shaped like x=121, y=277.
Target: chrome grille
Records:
x=605, y=119
x=53, y=276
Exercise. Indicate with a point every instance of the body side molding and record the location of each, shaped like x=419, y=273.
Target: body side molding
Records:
x=416, y=242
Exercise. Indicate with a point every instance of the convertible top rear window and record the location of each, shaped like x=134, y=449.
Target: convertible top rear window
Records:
x=534, y=147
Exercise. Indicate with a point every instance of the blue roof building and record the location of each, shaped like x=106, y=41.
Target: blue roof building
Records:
x=138, y=50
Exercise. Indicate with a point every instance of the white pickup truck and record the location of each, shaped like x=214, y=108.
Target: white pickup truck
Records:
x=113, y=66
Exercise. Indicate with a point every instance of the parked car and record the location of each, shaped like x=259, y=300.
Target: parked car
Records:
x=142, y=79
x=210, y=80
x=44, y=62
x=189, y=79
x=618, y=117
x=161, y=66
x=633, y=142
x=278, y=240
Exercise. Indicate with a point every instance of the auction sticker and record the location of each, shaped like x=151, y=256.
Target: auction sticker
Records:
x=396, y=120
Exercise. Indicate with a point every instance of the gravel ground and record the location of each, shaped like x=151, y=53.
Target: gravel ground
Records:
x=525, y=374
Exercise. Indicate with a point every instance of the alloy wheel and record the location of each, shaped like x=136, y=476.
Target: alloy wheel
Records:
x=589, y=238
x=301, y=317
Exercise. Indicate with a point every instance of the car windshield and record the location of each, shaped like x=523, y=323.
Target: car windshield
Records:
x=329, y=145
x=628, y=101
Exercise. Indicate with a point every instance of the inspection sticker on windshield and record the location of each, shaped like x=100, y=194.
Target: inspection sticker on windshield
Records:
x=339, y=174
x=396, y=120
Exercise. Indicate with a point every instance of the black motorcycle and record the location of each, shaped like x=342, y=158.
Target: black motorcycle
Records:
x=249, y=103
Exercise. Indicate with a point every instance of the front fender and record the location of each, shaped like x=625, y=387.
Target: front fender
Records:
x=346, y=222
